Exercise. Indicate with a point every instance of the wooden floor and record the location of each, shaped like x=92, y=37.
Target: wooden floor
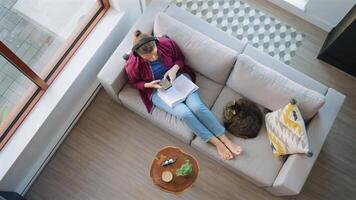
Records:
x=108, y=153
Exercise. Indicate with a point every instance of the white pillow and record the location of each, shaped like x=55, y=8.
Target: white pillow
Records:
x=271, y=89
x=202, y=53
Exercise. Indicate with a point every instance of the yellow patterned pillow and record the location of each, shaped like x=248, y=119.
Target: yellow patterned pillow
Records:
x=286, y=131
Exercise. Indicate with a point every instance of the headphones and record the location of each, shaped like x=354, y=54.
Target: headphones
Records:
x=142, y=42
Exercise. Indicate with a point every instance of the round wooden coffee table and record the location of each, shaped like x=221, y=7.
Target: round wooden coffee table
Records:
x=179, y=183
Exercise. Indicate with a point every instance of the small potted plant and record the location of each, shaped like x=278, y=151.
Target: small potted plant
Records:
x=185, y=169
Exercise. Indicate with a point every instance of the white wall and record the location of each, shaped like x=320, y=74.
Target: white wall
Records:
x=325, y=14
x=330, y=12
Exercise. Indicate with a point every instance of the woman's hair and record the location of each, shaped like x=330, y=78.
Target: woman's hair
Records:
x=146, y=48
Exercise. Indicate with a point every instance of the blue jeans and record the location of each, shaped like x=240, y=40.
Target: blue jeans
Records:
x=195, y=114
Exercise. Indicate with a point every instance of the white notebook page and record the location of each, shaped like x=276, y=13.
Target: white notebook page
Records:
x=181, y=88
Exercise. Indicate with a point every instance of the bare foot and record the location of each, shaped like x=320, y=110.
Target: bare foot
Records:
x=222, y=150
x=235, y=149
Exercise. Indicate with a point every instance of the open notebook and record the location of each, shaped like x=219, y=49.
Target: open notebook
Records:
x=181, y=88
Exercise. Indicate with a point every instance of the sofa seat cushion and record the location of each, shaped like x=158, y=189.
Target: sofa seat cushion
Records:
x=256, y=163
x=130, y=97
x=203, y=54
x=208, y=91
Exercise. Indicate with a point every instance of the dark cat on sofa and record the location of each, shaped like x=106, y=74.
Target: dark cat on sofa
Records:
x=242, y=118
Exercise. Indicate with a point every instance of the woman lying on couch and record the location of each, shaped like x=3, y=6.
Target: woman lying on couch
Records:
x=153, y=59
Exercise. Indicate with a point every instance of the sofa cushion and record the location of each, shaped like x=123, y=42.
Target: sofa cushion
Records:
x=202, y=53
x=271, y=89
x=286, y=131
x=256, y=163
x=130, y=97
x=208, y=91
x=284, y=69
x=204, y=27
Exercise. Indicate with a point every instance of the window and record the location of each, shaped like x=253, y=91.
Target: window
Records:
x=37, y=38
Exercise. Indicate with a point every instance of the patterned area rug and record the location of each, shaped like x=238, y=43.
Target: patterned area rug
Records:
x=248, y=24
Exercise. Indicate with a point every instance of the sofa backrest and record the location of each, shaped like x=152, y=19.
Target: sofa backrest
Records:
x=203, y=54
x=270, y=88
x=284, y=69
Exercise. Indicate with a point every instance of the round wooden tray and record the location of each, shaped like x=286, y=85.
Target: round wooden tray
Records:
x=179, y=183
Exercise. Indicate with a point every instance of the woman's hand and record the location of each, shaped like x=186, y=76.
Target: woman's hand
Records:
x=171, y=73
x=153, y=84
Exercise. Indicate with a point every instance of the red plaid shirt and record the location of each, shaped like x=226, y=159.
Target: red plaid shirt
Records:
x=139, y=71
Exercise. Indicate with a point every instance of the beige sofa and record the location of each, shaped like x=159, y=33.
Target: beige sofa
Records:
x=257, y=164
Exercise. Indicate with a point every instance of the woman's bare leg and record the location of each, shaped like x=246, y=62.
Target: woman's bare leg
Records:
x=236, y=149
x=221, y=148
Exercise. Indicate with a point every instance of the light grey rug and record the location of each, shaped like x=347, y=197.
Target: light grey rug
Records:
x=248, y=24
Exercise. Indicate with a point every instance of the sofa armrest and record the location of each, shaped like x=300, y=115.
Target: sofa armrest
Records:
x=113, y=76
x=296, y=169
